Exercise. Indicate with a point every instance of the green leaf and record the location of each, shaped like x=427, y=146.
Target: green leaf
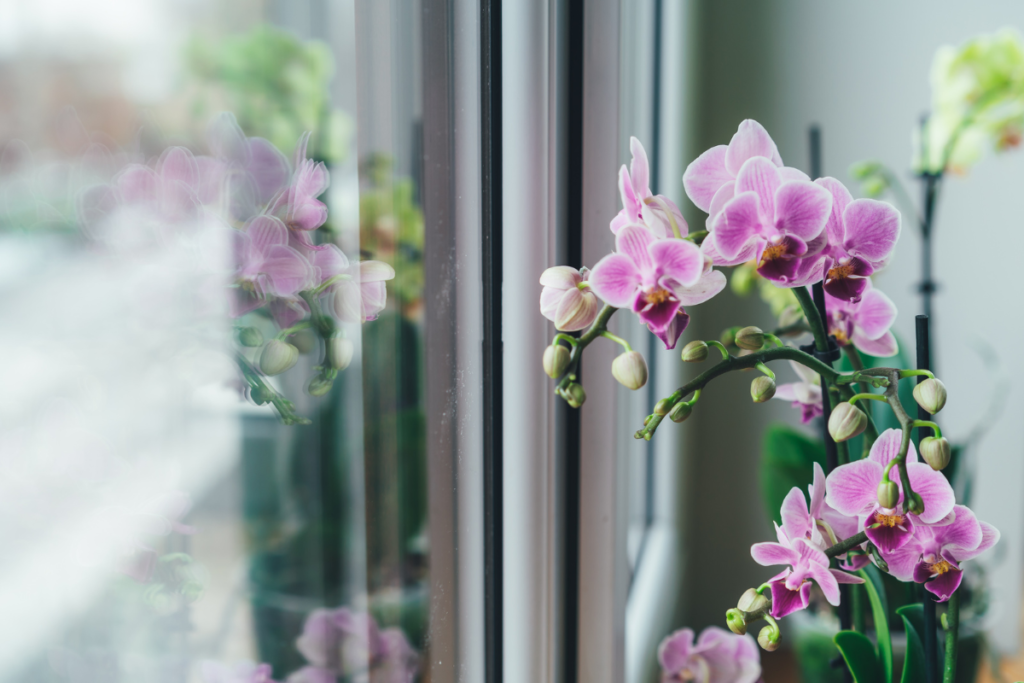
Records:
x=880, y=611
x=788, y=461
x=860, y=656
x=914, y=664
x=914, y=615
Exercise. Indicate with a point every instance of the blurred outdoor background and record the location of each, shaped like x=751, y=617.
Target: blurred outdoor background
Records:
x=158, y=526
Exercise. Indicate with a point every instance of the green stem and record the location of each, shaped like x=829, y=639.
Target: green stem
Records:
x=568, y=339
x=799, y=327
x=916, y=373
x=285, y=333
x=720, y=346
x=773, y=339
x=931, y=425
x=952, y=634
x=599, y=325
x=618, y=340
x=255, y=380
x=846, y=544
x=866, y=397
x=764, y=368
x=817, y=325
x=697, y=237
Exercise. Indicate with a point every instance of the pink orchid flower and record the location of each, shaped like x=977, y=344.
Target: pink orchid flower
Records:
x=266, y=265
x=934, y=555
x=242, y=672
x=805, y=394
x=655, y=278
x=657, y=212
x=171, y=190
x=363, y=295
x=816, y=521
x=298, y=205
x=862, y=235
x=791, y=589
x=340, y=642
x=718, y=656
x=254, y=169
x=778, y=222
x=566, y=299
x=715, y=170
x=864, y=323
x=852, y=489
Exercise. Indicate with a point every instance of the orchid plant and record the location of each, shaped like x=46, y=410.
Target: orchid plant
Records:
x=887, y=507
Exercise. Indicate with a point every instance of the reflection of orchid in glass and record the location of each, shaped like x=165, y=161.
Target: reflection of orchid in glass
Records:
x=341, y=642
x=241, y=672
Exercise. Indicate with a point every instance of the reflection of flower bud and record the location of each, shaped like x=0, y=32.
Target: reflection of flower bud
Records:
x=556, y=360
x=662, y=407
x=340, y=352
x=695, y=352
x=728, y=337
x=790, y=316
x=888, y=494
x=319, y=386
x=630, y=370
x=259, y=396
x=769, y=638
x=250, y=336
x=304, y=340
x=762, y=389
x=935, y=451
x=737, y=624
x=680, y=412
x=277, y=357
x=846, y=422
x=574, y=395
x=930, y=395
x=750, y=338
x=752, y=602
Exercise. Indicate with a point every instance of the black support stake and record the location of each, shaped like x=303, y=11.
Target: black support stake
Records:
x=931, y=638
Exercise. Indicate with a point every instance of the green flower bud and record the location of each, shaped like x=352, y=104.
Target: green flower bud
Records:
x=319, y=386
x=874, y=186
x=846, y=422
x=743, y=279
x=250, y=336
x=259, y=396
x=916, y=504
x=695, y=352
x=769, y=638
x=728, y=337
x=574, y=395
x=888, y=494
x=680, y=412
x=750, y=338
x=556, y=360
x=278, y=356
x=630, y=370
x=762, y=389
x=339, y=352
x=662, y=407
x=930, y=395
x=863, y=169
x=753, y=602
x=936, y=452
x=737, y=623
x=304, y=340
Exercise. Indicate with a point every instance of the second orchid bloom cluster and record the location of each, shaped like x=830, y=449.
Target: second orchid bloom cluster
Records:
x=794, y=231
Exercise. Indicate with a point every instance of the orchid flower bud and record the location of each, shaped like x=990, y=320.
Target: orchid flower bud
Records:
x=935, y=451
x=574, y=395
x=916, y=504
x=680, y=412
x=304, y=340
x=695, y=352
x=846, y=422
x=750, y=338
x=555, y=361
x=930, y=395
x=250, y=336
x=259, y=396
x=662, y=407
x=278, y=356
x=769, y=638
x=319, y=386
x=753, y=602
x=736, y=621
x=888, y=494
x=762, y=389
x=728, y=337
x=340, y=352
x=630, y=370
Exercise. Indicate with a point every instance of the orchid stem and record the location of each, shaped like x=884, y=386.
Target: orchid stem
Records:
x=916, y=373
x=599, y=325
x=772, y=338
x=721, y=347
x=867, y=397
x=846, y=544
x=288, y=331
x=568, y=339
x=931, y=425
x=618, y=340
x=952, y=634
x=764, y=368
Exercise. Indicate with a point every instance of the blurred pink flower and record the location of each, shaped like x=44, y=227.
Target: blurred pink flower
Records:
x=655, y=212
x=241, y=672
x=805, y=394
x=266, y=266
x=298, y=206
x=718, y=656
x=340, y=642
x=864, y=323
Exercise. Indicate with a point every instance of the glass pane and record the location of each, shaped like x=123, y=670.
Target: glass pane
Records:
x=211, y=269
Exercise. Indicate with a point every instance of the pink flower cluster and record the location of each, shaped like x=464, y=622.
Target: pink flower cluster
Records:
x=344, y=643
x=718, y=656
x=927, y=548
x=798, y=233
